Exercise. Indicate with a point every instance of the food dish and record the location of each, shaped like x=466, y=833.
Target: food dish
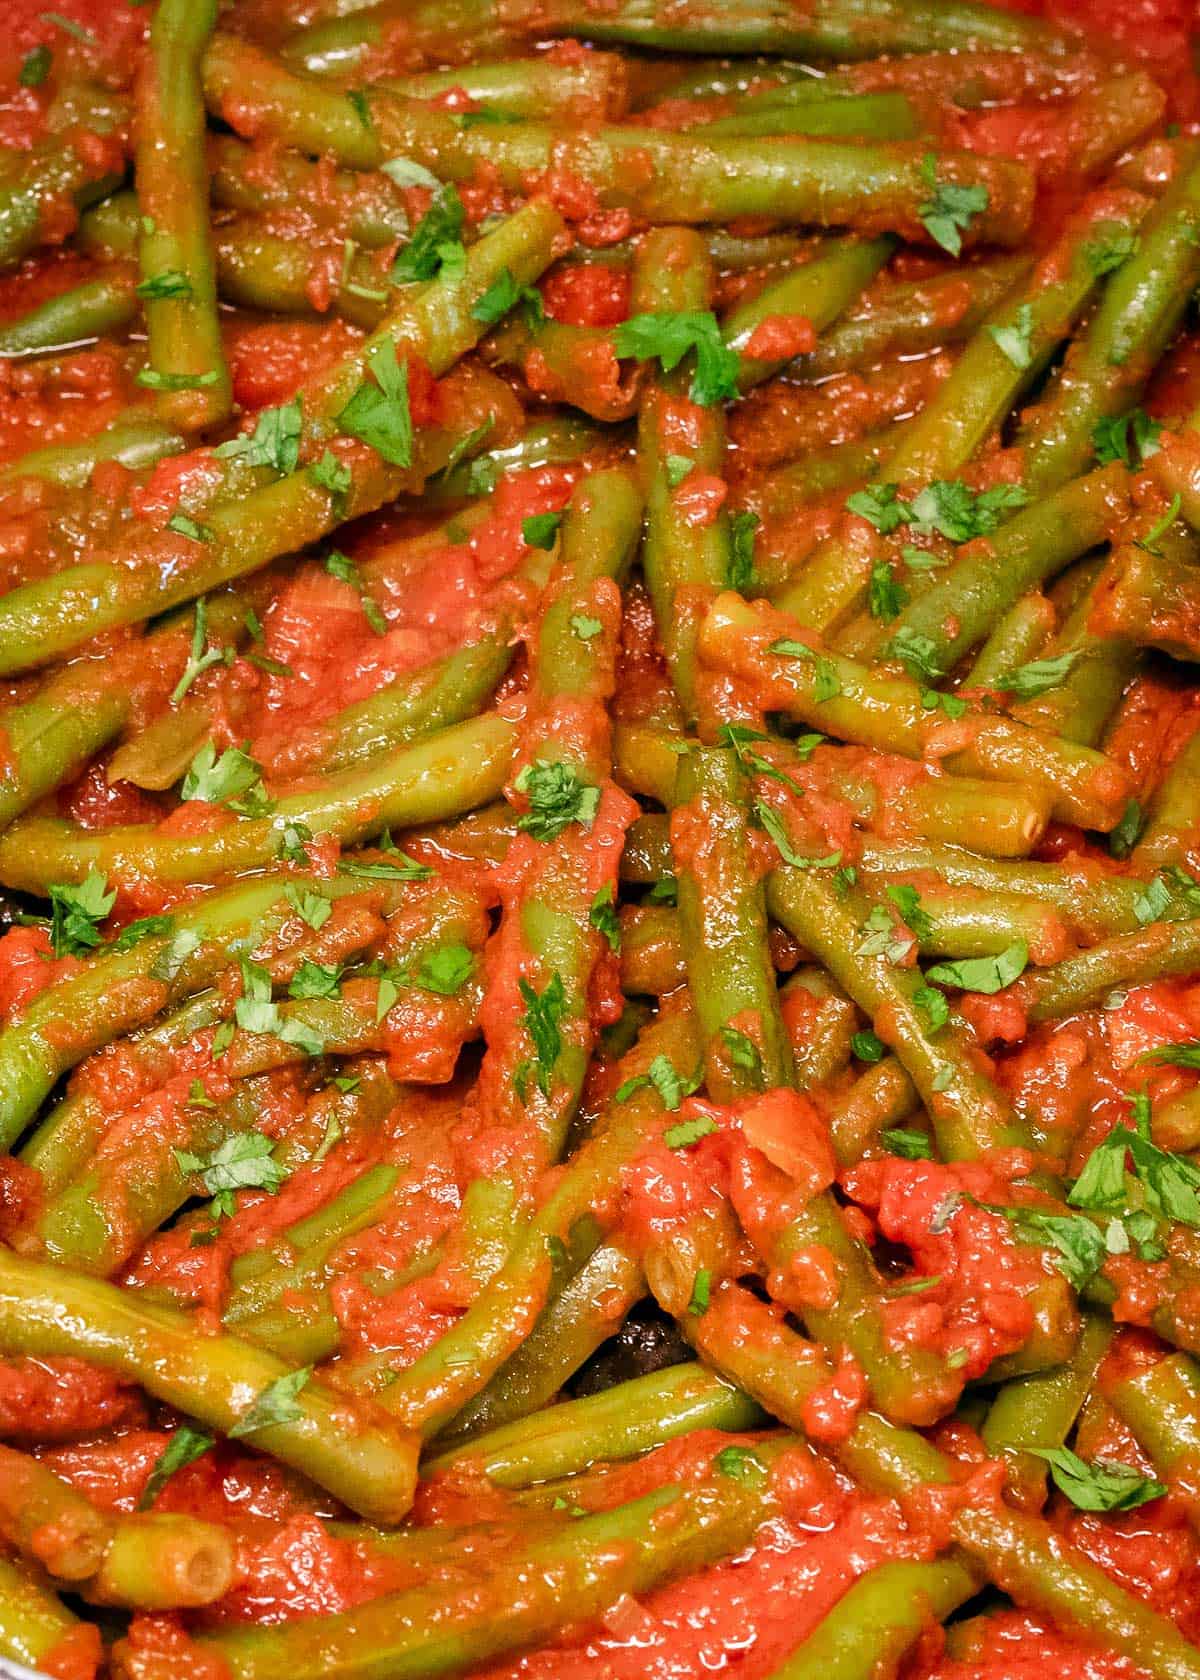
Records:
x=600, y=840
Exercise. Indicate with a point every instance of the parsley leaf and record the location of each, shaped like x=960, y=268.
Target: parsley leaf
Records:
x=744, y=1054
x=436, y=241
x=313, y=910
x=1015, y=340
x=585, y=626
x=276, y=1404
x=677, y=467
x=665, y=1079
x=739, y=573
x=185, y=1447
x=557, y=797
x=378, y=415
x=741, y=1465
x=506, y=293
x=35, y=67
x=274, y=442
x=887, y=596
x=670, y=336
x=959, y=513
x=688, y=1132
x=244, y=1161
x=233, y=779
x=540, y=530
x=951, y=209
x=701, y=1293
x=146, y=927
x=867, y=1046
x=826, y=683
x=1129, y=438
x=1100, y=1486
x=1107, y=253
x=341, y=566
x=201, y=658
x=77, y=912
x=543, y=1012
x=907, y=1144
x=315, y=980
x=908, y=902
x=604, y=918
x=171, y=283
x=1026, y=682
x=984, y=974
x=406, y=173
x=877, y=504
x=1128, y=831
x=773, y=824
x=446, y=970
x=185, y=527
x=917, y=653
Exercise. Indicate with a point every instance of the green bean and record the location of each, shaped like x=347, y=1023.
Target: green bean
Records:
x=723, y=927
x=116, y=991
x=1132, y=959
x=1015, y=638
x=1029, y=1559
x=882, y=1096
x=1099, y=669
x=1039, y=1411
x=820, y=290
x=136, y=442
x=432, y=1390
x=98, y=307
x=969, y=1113
x=662, y=176
x=1150, y=594
x=962, y=607
x=904, y=317
x=684, y=563
x=34, y=1625
x=551, y=442
x=429, y=780
x=780, y=493
x=879, y=1619
x=55, y=176
x=262, y=270
x=831, y=29
x=631, y=1418
x=886, y=713
x=179, y=288
x=577, y=365
x=588, y=1309
x=49, y=1521
x=1161, y=1405
x=47, y=1312
x=1138, y=314
x=150, y=573
x=1174, y=813
x=590, y=1563
x=594, y=87
x=164, y=1560
x=369, y=207
x=867, y=116
x=827, y=1032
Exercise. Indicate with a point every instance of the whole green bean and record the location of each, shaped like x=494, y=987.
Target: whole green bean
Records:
x=47, y=1312
x=98, y=308
x=136, y=442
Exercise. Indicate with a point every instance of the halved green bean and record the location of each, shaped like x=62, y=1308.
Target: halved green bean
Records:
x=47, y=1312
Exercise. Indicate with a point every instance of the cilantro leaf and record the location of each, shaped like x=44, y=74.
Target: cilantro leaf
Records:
x=315, y=980
x=878, y=505
x=867, y=1046
x=1109, y=251
x=585, y=626
x=1128, y=831
x=146, y=927
x=907, y=1144
x=959, y=513
x=740, y=1464
x=701, y=1293
x=446, y=970
x=313, y=910
x=917, y=653
x=739, y=573
x=171, y=283
x=35, y=67
x=540, y=530
x=1129, y=438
